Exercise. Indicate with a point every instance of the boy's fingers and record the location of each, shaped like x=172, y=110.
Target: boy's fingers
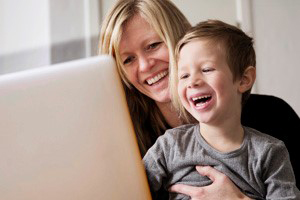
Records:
x=185, y=189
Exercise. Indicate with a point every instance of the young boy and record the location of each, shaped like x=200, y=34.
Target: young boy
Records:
x=212, y=78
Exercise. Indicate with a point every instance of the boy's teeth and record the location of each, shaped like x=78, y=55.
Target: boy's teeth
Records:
x=196, y=98
x=201, y=100
x=201, y=103
x=156, y=78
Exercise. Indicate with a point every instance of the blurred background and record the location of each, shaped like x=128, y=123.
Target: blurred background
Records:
x=36, y=33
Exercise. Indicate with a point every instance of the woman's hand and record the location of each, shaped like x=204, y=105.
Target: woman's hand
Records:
x=221, y=188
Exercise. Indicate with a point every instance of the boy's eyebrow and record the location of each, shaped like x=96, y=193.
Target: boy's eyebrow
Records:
x=182, y=68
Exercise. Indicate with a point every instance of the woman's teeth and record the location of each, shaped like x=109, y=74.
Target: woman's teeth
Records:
x=156, y=78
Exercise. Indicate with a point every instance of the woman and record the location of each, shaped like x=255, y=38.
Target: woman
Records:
x=151, y=116
x=141, y=36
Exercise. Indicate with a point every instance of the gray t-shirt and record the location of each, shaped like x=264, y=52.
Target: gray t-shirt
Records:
x=261, y=167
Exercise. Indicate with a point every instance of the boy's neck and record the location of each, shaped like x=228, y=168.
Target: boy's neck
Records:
x=225, y=138
x=170, y=114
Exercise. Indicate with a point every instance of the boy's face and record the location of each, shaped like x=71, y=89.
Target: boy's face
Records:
x=206, y=88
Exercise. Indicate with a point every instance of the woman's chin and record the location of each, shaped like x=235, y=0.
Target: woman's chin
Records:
x=162, y=97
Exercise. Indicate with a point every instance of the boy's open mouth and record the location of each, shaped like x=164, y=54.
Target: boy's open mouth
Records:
x=199, y=101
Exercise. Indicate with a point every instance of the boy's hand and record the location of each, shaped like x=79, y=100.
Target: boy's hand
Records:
x=222, y=187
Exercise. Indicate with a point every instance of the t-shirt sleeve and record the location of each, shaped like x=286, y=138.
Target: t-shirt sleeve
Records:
x=155, y=162
x=278, y=174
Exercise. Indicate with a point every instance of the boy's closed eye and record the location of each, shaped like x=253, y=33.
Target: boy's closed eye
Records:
x=184, y=76
x=207, y=69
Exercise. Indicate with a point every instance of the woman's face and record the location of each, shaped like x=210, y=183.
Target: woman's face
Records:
x=146, y=59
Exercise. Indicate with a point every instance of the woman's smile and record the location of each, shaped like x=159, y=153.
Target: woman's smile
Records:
x=157, y=78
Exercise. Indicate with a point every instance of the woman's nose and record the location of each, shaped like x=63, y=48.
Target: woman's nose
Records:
x=145, y=63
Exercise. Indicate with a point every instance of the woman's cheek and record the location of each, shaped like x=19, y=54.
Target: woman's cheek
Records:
x=131, y=75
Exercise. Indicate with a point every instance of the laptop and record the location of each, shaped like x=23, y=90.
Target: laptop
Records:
x=66, y=134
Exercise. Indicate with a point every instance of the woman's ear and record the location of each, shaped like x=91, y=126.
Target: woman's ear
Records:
x=247, y=80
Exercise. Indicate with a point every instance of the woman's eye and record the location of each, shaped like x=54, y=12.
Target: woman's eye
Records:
x=153, y=45
x=128, y=60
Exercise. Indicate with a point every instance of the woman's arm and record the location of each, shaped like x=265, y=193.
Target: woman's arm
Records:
x=222, y=187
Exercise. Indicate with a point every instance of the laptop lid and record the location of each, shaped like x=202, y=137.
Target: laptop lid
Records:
x=66, y=134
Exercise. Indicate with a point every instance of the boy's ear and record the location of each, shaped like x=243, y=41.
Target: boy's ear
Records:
x=247, y=80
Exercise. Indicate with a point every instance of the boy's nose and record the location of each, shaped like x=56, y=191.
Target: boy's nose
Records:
x=195, y=82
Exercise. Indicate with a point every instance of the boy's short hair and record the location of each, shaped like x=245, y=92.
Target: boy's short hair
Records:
x=237, y=46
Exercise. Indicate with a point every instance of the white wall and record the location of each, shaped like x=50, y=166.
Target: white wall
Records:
x=199, y=10
x=74, y=29
x=24, y=34
x=276, y=29
x=23, y=26
x=36, y=33
x=67, y=30
x=196, y=10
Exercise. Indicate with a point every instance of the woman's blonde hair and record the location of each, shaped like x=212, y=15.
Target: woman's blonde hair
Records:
x=169, y=23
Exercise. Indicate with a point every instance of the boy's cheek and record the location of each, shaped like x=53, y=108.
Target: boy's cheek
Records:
x=185, y=104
